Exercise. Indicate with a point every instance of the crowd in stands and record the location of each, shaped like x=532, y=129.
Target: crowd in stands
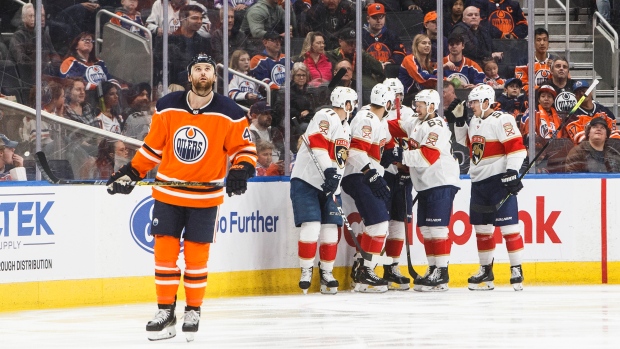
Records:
x=79, y=86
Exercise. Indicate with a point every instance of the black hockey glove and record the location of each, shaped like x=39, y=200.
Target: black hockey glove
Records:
x=118, y=182
x=332, y=179
x=512, y=182
x=377, y=184
x=237, y=179
x=392, y=156
x=403, y=179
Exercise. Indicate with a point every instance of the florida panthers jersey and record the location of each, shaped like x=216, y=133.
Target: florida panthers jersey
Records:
x=194, y=145
x=429, y=156
x=329, y=138
x=393, y=144
x=495, y=145
x=368, y=137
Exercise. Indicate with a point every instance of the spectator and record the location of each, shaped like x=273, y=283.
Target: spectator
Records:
x=491, y=76
x=513, y=101
x=417, y=72
x=139, y=112
x=380, y=42
x=265, y=16
x=109, y=118
x=542, y=60
x=315, y=60
x=587, y=111
x=52, y=101
x=347, y=79
x=454, y=16
x=449, y=94
x=563, y=85
x=264, y=164
x=396, y=5
x=236, y=38
x=268, y=66
x=331, y=17
x=8, y=159
x=23, y=45
x=477, y=40
x=111, y=155
x=129, y=11
x=464, y=72
x=184, y=44
x=156, y=18
x=303, y=102
x=76, y=108
x=71, y=21
x=595, y=155
x=604, y=7
x=261, y=129
x=505, y=18
x=547, y=119
x=240, y=89
x=82, y=63
x=372, y=69
x=430, y=29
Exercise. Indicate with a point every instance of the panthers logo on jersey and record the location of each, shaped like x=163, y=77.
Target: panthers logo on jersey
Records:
x=477, y=149
x=341, y=147
x=190, y=144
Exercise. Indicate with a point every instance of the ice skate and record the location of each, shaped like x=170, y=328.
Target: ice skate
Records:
x=357, y=262
x=369, y=282
x=191, y=319
x=162, y=325
x=396, y=280
x=483, y=280
x=516, y=277
x=420, y=281
x=437, y=281
x=329, y=285
x=306, y=279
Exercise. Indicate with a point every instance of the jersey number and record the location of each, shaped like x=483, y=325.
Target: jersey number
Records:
x=432, y=123
x=247, y=135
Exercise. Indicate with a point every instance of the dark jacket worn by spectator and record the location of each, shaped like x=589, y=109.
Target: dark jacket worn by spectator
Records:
x=330, y=23
x=478, y=43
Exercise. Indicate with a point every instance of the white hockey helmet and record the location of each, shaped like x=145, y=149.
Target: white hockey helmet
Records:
x=482, y=93
x=341, y=95
x=429, y=97
x=381, y=94
x=395, y=85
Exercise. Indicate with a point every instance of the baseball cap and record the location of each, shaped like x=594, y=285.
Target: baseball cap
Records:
x=579, y=84
x=260, y=107
x=431, y=16
x=347, y=34
x=271, y=35
x=548, y=89
x=514, y=81
x=7, y=142
x=376, y=9
x=455, y=37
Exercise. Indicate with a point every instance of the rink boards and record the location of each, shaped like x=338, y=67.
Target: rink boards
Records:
x=76, y=245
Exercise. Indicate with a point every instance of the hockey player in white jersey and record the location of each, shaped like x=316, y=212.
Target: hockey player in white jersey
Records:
x=363, y=181
x=435, y=175
x=312, y=193
x=497, y=153
x=399, y=180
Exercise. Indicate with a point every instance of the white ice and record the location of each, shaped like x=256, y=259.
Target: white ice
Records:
x=539, y=317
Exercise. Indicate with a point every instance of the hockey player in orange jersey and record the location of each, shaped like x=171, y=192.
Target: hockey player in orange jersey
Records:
x=193, y=134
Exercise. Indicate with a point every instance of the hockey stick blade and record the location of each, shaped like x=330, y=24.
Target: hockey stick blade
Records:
x=337, y=78
x=496, y=207
x=47, y=174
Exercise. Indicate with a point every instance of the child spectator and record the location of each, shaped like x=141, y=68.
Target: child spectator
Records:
x=128, y=11
x=264, y=164
x=512, y=101
x=547, y=119
x=239, y=89
x=491, y=77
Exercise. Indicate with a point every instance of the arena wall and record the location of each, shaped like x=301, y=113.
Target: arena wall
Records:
x=63, y=246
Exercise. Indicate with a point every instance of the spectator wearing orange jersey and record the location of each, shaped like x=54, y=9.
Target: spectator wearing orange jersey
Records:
x=542, y=61
x=547, y=119
x=128, y=10
x=596, y=154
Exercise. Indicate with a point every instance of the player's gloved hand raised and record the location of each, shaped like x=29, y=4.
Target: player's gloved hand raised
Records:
x=377, y=184
x=119, y=180
x=512, y=182
x=237, y=179
x=332, y=179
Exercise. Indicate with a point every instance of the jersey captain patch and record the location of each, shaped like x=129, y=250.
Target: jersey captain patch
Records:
x=190, y=144
x=477, y=149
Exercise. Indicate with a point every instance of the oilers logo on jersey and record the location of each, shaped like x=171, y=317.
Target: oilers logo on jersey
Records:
x=190, y=144
x=477, y=148
x=541, y=76
x=503, y=21
x=278, y=74
x=94, y=74
x=565, y=101
x=341, y=147
x=460, y=77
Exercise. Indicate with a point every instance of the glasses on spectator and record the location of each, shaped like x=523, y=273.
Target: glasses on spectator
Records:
x=88, y=41
x=300, y=76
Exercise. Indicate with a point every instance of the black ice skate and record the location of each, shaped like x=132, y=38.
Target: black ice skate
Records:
x=396, y=280
x=329, y=284
x=420, y=281
x=357, y=263
x=162, y=325
x=437, y=281
x=516, y=277
x=191, y=319
x=483, y=281
x=305, y=279
x=369, y=282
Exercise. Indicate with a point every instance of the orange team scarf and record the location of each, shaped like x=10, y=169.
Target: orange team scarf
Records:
x=552, y=121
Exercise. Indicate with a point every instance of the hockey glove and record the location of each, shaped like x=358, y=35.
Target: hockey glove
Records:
x=512, y=182
x=237, y=179
x=119, y=180
x=377, y=184
x=391, y=156
x=403, y=179
x=460, y=114
x=332, y=179
x=449, y=112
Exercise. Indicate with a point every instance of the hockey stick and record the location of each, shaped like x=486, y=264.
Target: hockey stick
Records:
x=412, y=272
x=494, y=208
x=48, y=175
x=337, y=78
x=367, y=256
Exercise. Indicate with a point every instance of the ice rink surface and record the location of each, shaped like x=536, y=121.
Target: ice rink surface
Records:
x=538, y=317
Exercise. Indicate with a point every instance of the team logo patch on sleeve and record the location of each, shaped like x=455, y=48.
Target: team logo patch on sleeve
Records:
x=432, y=139
x=324, y=126
x=366, y=132
x=341, y=147
x=509, y=129
x=190, y=144
x=477, y=149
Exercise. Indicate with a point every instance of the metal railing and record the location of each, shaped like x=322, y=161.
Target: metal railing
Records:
x=609, y=30
x=99, y=40
x=249, y=78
